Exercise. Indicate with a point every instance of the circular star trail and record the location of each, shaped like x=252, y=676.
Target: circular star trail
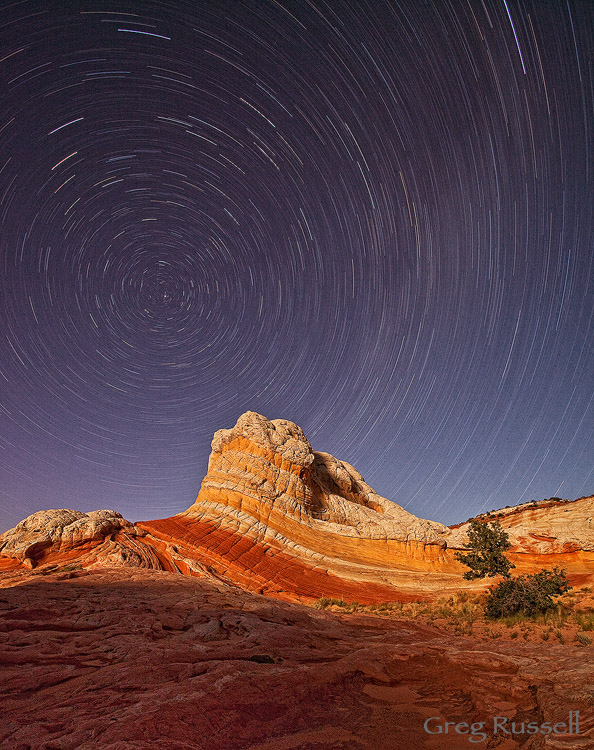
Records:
x=375, y=219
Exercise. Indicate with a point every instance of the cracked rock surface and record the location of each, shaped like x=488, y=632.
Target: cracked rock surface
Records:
x=123, y=659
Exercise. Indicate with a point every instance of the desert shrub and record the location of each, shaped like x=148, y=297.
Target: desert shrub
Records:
x=488, y=543
x=529, y=595
x=583, y=640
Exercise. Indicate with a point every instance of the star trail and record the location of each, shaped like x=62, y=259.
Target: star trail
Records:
x=375, y=219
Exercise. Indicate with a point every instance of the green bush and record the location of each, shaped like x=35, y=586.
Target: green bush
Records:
x=488, y=543
x=529, y=595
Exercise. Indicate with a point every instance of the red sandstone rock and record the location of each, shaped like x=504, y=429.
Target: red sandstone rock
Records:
x=134, y=659
x=547, y=527
x=102, y=536
x=138, y=656
x=275, y=517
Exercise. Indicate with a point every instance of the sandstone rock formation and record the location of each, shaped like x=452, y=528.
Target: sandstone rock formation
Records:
x=280, y=518
x=543, y=528
x=275, y=517
x=101, y=535
x=272, y=463
x=90, y=604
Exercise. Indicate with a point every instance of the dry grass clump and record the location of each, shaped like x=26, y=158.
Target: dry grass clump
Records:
x=463, y=614
x=585, y=619
x=326, y=602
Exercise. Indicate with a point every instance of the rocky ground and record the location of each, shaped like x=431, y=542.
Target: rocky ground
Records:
x=125, y=636
x=134, y=658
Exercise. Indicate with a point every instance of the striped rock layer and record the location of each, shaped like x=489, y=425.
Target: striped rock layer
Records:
x=276, y=517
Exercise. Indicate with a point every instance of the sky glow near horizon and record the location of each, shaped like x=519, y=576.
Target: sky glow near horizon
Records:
x=375, y=219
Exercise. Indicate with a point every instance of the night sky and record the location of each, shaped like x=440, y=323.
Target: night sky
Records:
x=375, y=219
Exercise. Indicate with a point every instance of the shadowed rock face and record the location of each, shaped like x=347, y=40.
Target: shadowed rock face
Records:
x=276, y=517
x=137, y=659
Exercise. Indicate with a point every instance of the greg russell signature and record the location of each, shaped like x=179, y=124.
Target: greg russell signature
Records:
x=478, y=731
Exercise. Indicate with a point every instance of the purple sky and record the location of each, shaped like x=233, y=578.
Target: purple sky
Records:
x=373, y=218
